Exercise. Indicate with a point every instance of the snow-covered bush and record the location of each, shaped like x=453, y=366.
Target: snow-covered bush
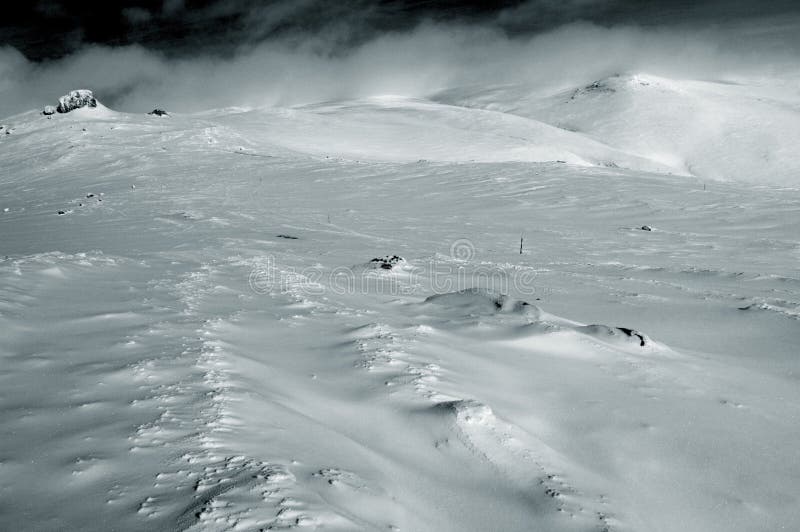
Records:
x=76, y=100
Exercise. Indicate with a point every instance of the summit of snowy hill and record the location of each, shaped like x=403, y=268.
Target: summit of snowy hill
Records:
x=711, y=129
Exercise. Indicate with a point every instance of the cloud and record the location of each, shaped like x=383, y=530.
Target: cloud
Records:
x=50, y=8
x=417, y=62
x=136, y=15
x=172, y=7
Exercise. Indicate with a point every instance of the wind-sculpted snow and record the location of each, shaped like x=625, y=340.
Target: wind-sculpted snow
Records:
x=483, y=301
x=203, y=341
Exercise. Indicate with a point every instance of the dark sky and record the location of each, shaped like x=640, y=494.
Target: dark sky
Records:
x=48, y=29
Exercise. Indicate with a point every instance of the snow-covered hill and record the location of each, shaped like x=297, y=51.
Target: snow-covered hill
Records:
x=713, y=130
x=202, y=340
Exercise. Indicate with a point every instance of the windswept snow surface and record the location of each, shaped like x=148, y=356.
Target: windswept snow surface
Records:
x=199, y=342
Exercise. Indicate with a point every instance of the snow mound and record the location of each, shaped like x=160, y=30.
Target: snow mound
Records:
x=467, y=411
x=408, y=130
x=75, y=100
x=49, y=110
x=479, y=301
x=708, y=129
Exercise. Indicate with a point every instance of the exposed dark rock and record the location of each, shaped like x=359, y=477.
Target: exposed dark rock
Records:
x=646, y=228
x=607, y=333
x=387, y=262
x=632, y=333
x=288, y=237
x=158, y=112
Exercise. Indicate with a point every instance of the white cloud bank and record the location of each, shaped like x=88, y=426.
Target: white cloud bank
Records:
x=414, y=63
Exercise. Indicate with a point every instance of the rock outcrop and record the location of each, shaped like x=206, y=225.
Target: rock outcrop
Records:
x=387, y=262
x=76, y=100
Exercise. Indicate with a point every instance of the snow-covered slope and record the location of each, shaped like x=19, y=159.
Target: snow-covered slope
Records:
x=714, y=130
x=404, y=130
x=201, y=341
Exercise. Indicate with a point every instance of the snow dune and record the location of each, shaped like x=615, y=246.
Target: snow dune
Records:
x=200, y=342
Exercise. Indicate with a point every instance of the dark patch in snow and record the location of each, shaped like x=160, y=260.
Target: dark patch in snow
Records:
x=646, y=228
x=553, y=493
x=605, y=332
x=288, y=237
x=387, y=262
x=176, y=217
x=600, y=86
x=158, y=112
x=632, y=333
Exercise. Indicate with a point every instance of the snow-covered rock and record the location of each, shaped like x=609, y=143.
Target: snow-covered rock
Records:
x=387, y=262
x=49, y=110
x=76, y=100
